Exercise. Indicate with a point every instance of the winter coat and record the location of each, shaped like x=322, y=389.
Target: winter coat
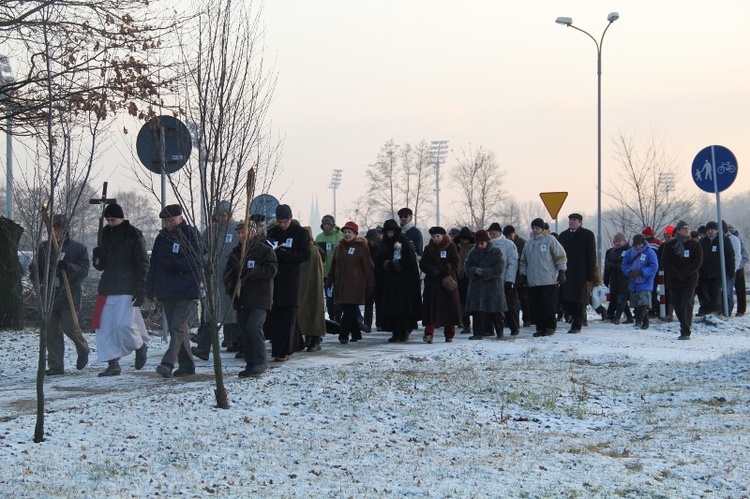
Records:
x=613, y=276
x=328, y=242
x=351, y=272
x=542, y=257
x=397, y=284
x=175, y=268
x=463, y=280
x=414, y=235
x=580, y=248
x=124, y=260
x=510, y=257
x=681, y=268
x=311, y=314
x=641, y=259
x=711, y=268
x=486, y=291
x=440, y=307
x=220, y=243
x=287, y=284
x=76, y=257
x=258, y=269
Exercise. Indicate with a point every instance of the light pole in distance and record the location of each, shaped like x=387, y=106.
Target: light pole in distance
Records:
x=438, y=149
x=6, y=77
x=335, y=182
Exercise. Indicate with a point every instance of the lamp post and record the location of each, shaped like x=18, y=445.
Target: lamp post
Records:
x=335, y=182
x=6, y=77
x=567, y=21
x=438, y=148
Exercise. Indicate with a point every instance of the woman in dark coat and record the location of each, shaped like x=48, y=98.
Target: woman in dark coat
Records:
x=485, y=267
x=397, y=284
x=352, y=277
x=440, y=307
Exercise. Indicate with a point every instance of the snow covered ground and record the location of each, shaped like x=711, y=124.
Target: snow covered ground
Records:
x=611, y=412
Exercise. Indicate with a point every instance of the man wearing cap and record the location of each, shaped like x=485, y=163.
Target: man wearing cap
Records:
x=682, y=258
x=412, y=233
x=710, y=273
x=739, y=281
x=46, y=273
x=328, y=240
x=542, y=262
x=219, y=239
x=123, y=260
x=255, y=271
x=291, y=243
x=580, y=247
x=175, y=279
x=510, y=259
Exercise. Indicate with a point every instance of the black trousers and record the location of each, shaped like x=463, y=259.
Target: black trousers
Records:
x=283, y=330
x=740, y=289
x=682, y=301
x=543, y=304
x=511, y=316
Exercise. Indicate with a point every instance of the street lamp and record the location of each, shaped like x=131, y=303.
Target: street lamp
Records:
x=438, y=148
x=6, y=77
x=567, y=21
x=335, y=182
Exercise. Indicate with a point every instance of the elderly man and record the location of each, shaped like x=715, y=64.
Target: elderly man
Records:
x=412, y=233
x=46, y=273
x=682, y=258
x=174, y=278
x=580, y=247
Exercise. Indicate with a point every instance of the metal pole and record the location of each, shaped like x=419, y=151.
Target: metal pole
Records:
x=334, y=203
x=9, y=171
x=599, y=255
x=437, y=190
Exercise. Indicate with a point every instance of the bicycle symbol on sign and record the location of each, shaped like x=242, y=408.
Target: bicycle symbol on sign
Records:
x=726, y=166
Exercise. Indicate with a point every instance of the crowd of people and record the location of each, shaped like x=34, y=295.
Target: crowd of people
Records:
x=277, y=283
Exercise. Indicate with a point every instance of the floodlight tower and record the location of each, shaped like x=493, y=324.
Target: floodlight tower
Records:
x=335, y=182
x=438, y=150
x=6, y=77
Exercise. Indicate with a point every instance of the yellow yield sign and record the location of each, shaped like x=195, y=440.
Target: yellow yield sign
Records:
x=553, y=201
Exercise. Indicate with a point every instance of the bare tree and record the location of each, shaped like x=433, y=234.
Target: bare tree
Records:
x=383, y=179
x=141, y=211
x=479, y=181
x=644, y=190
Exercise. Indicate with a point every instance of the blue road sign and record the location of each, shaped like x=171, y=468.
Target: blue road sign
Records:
x=714, y=169
x=176, y=148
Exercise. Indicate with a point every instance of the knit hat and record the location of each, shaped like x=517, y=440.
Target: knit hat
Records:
x=620, y=237
x=537, y=222
x=576, y=215
x=668, y=230
x=171, y=210
x=680, y=225
x=465, y=233
x=113, y=210
x=638, y=239
x=712, y=225
x=437, y=230
x=482, y=236
x=648, y=231
x=351, y=226
x=328, y=219
x=495, y=226
x=508, y=230
x=283, y=212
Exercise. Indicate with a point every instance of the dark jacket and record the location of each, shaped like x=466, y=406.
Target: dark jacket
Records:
x=76, y=257
x=580, y=247
x=288, y=281
x=414, y=235
x=711, y=268
x=123, y=260
x=258, y=269
x=397, y=283
x=613, y=276
x=440, y=307
x=681, y=267
x=175, y=269
x=351, y=272
x=486, y=291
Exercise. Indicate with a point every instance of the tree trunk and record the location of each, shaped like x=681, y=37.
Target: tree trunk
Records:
x=11, y=295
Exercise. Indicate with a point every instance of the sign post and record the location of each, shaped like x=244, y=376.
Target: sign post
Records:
x=553, y=201
x=714, y=169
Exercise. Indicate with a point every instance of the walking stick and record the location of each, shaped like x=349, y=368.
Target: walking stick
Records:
x=63, y=273
x=243, y=252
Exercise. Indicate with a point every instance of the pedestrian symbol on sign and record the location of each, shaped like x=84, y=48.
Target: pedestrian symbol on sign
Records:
x=714, y=169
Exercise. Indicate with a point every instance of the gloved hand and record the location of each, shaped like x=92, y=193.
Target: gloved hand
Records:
x=523, y=281
x=98, y=253
x=61, y=265
x=478, y=271
x=138, y=298
x=634, y=273
x=561, y=277
x=170, y=265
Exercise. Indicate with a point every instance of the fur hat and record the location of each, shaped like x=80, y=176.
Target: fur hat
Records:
x=171, y=210
x=537, y=222
x=113, y=210
x=283, y=212
x=494, y=226
x=393, y=225
x=351, y=226
x=328, y=219
x=437, y=230
x=638, y=239
x=371, y=234
x=465, y=233
x=454, y=232
x=482, y=236
x=648, y=231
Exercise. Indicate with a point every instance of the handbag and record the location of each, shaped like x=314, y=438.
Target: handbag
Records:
x=449, y=283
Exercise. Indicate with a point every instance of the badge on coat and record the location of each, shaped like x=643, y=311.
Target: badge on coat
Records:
x=686, y=254
x=328, y=246
x=443, y=254
x=643, y=258
x=351, y=251
x=543, y=247
x=62, y=256
x=714, y=248
x=251, y=264
x=228, y=239
x=176, y=248
x=289, y=242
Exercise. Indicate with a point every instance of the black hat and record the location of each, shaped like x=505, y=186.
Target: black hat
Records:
x=329, y=219
x=171, y=210
x=393, y=225
x=371, y=234
x=283, y=212
x=113, y=210
x=495, y=226
x=454, y=232
x=437, y=230
x=60, y=220
x=403, y=212
x=258, y=218
x=576, y=215
x=712, y=225
x=508, y=230
x=465, y=233
x=681, y=224
x=537, y=222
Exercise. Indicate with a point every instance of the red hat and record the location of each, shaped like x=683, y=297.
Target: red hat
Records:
x=669, y=230
x=351, y=225
x=482, y=236
x=648, y=232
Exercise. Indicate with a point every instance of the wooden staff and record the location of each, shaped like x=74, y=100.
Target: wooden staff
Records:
x=63, y=273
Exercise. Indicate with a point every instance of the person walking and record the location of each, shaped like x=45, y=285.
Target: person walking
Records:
x=682, y=258
x=174, y=278
x=710, y=273
x=328, y=240
x=410, y=231
x=311, y=317
x=640, y=265
x=373, y=238
x=485, y=298
x=617, y=280
x=739, y=281
x=123, y=261
x=441, y=305
x=510, y=258
x=464, y=243
x=580, y=247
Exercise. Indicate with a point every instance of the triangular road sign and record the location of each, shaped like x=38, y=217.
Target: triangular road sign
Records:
x=553, y=201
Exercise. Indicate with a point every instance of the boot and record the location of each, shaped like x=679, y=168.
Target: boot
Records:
x=618, y=313
x=141, y=356
x=602, y=311
x=394, y=337
x=113, y=369
x=314, y=344
x=641, y=314
x=628, y=315
x=644, y=324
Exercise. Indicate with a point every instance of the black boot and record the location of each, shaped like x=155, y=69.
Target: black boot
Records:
x=618, y=313
x=113, y=369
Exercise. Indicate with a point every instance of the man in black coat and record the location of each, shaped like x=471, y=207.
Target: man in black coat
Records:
x=410, y=231
x=710, y=273
x=580, y=246
x=292, y=246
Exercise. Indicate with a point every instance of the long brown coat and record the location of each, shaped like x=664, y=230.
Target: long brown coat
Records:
x=310, y=316
x=440, y=306
x=351, y=272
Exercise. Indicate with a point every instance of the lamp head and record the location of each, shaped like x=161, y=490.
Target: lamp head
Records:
x=567, y=21
x=613, y=16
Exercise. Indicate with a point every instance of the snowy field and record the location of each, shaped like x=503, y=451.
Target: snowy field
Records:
x=613, y=412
